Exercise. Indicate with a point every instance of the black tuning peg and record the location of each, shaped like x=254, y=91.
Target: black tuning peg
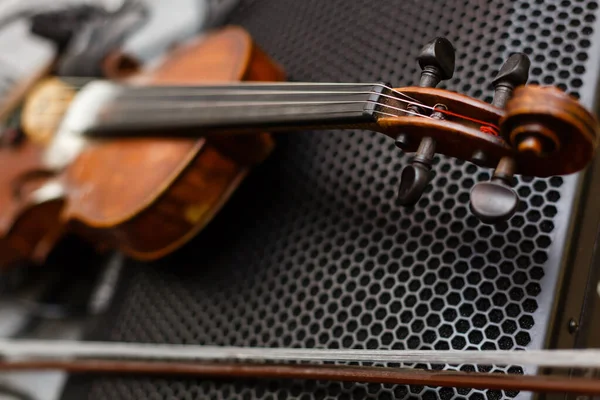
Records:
x=436, y=60
x=513, y=73
x=437, y=63
x=495, y=201
x=415, y=176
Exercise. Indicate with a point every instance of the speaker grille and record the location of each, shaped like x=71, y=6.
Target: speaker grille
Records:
x=313, y=251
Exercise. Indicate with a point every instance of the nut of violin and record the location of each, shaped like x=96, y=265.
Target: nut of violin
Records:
x=437, y=59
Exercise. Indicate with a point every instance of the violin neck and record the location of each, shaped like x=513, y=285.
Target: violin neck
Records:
x=198, y=111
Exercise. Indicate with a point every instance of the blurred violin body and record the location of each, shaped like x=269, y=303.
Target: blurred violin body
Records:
x=143, y=165
x=162, y=190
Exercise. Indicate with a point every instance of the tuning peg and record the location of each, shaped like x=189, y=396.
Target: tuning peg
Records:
x=437, y=63
x=437, y=60
x=415, y=176
x=513, y=73
x=495, y=201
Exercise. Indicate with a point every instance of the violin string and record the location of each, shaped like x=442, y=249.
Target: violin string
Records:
x=276, y=111
x=485, y=127
x=167, y=106
x=341, y=112
x=203, y=90
x=69, y=99
x=386, y=114
x=411, y=101
x=180, y=103
x=185, y=90
x=324, y=113
x=228, y=104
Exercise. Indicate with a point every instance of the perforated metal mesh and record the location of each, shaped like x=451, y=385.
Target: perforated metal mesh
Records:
x=313, y=251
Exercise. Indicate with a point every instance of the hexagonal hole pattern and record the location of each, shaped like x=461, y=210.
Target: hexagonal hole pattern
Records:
x=313, y=250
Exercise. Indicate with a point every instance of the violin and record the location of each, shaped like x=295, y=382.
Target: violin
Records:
x=143, y=164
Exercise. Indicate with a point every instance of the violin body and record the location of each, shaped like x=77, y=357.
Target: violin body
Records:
x=30, y=220
x=164, y=191
x=27, y=225
x=145, y=197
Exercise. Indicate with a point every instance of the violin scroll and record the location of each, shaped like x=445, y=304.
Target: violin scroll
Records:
x=544, y=122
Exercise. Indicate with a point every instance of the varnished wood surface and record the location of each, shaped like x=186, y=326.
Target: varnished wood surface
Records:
x=449, y=136
x=148, y=196
x=575, y=127
x=145, y=197
x=28, y=228
x=336, y=373
x=180, y=212
x=549, y=108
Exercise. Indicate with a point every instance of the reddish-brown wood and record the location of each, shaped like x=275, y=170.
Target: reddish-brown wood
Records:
x=28, y=225
x=544, y=118
x=543, y=112
x=162, y=191
x=145, y=197
x=337, y=373
x=26, y=229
